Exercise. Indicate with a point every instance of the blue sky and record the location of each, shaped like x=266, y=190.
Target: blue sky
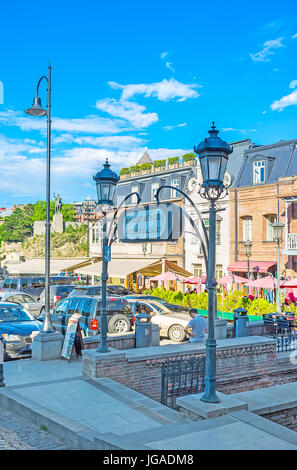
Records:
x=129, y=75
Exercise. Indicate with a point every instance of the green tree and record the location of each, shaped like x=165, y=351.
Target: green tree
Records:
x=18, y=226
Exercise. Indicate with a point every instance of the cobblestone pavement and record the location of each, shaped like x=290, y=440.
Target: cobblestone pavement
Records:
x=18, y=433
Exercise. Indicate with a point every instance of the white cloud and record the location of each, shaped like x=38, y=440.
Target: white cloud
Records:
x=294, y=36
x=110, y=141
x=231, y=129
x=267, y=50
x=165, y=90
x=288, y=100
x=128, y=110
x=169, y=66
x=293, y=84
x=170, y=128
x=90, y=124
x=164, y=55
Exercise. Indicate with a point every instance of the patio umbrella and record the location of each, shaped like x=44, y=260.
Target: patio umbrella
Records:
x=194, y=280
x=290, y=283
x=232, y=278
x=266, y=282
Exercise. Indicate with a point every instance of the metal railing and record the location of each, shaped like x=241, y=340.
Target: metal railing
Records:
x=286, y=342
x=181, y=377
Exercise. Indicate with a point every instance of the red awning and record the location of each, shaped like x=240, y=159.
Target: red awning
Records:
x=255, y=266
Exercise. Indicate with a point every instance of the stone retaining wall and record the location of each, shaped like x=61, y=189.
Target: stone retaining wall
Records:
x=116, y=341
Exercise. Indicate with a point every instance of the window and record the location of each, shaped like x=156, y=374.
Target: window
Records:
x=173, y=192
x=247, y=229
x=72, y=306
x=134, y=189
x=86, y=310
x=62, y=307
x=154, y=189
x=270, y=219
x=259, y=172
x=197, y=269
x=24, y=283
x=14, y=285
x=6, y=284
x=219, y=271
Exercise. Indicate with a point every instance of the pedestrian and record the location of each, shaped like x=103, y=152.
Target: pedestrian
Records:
x=196, y=328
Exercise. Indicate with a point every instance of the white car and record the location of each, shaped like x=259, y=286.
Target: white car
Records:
x=32, y=305
x=172, y=324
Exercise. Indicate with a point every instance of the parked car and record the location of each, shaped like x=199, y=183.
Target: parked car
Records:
x=119, y=314
x=173, y=307
x=96, y=290
x=16, y=327
x=31, y=285
x=34, y=306
x=172, y=324
x=57, y=293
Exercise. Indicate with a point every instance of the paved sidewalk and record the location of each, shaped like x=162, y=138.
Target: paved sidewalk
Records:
x=85, y=413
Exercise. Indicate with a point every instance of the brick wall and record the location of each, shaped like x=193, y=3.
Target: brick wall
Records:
x=242, y=364
x=286, y=417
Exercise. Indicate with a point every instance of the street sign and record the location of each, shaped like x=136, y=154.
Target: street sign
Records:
x=107, y=253
x=151, y=223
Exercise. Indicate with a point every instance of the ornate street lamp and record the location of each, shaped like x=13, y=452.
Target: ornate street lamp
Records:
x=106, y=183
x=37, y=110
x=278, y=228
x=87, y=204
x=213, y=155
x=248, y=251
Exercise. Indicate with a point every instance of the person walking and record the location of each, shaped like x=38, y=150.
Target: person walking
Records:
x=196, y=328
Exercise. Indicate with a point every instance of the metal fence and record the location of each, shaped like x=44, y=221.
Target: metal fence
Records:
x=181, y=377
x=286, y=342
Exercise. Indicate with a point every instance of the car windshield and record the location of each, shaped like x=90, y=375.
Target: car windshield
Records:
x=12, y=314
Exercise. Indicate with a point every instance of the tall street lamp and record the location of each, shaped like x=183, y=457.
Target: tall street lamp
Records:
x=248, y=251
x=106, y=182
x=87, y=204
x=278, y=238
x=37, y=110
x=213, y=155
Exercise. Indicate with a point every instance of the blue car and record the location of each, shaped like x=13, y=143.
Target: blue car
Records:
x=16, y=327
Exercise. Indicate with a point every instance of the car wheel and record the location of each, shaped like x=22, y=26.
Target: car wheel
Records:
x=119, y=324
x=176, y=334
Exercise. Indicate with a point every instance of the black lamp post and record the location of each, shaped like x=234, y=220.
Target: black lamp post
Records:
x=278, y=228
x=37, y=110
x=106, y=182
x=87, y=204
x=213, y=155
x=248, y=251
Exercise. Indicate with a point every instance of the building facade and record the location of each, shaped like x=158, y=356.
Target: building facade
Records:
x=194, y=259
x=265, y=192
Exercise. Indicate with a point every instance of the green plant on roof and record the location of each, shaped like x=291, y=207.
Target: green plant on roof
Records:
x=146, y=166
x=173, y=160
x=135, y=168
x=187, y=157
x=159, y=163
x=125, y=171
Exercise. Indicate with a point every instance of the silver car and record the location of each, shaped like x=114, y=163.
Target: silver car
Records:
x=28, y=302
x=172, y=324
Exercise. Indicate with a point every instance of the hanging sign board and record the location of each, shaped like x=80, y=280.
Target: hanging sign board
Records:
x=151, y=223
x=72, y=338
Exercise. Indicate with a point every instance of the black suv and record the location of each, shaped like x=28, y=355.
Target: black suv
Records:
x=111, y=289
x=119, y=314
x=31, y=285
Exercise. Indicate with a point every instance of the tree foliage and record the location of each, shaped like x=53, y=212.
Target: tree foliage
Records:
x=19, y=226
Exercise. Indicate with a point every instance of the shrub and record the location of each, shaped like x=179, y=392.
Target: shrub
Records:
x=173, y=160
x=146, y=166
x=125, y=171
x=135, y=168
x=159, y=163
x=188, y=157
